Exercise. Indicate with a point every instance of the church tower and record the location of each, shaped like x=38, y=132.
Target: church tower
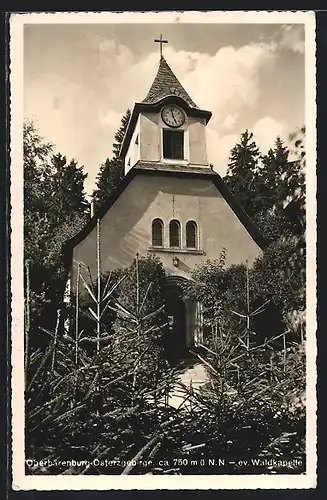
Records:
x=167, y=127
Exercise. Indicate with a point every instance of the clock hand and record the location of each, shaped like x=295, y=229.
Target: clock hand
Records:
x=172, y=114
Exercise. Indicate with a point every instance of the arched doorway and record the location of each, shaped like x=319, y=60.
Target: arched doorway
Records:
x=176, y=341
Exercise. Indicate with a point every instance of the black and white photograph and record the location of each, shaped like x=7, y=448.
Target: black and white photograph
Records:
x=163, y=250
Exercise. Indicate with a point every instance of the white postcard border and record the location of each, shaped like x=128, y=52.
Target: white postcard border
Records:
x=102, y=482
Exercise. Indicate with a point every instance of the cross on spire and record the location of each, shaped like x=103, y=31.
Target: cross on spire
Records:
x=161, y=41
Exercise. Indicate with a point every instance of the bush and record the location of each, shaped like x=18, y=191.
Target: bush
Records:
x=252, y=407
x=270, y=290
x=103, y=392
x=100, y=396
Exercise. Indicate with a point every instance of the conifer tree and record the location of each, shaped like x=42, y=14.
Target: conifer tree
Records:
x=67, y=184
x=269, y=187
x=36, y=152
x=272, y=191
x=106, y=402
x=281, y=190
x=274, y=173
x=55, y=207
x=242, y=172
x=112, y=170
x=296, y=208
x=119, y=135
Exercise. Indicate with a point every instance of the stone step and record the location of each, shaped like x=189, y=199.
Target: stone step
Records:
x=194, y=376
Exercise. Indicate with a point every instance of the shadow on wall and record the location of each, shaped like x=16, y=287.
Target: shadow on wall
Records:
x=181, y=266
x=121, y=234
x=119, y=237
x=120, y=230
x=186, y=187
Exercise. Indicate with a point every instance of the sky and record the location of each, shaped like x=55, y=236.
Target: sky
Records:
x=79, y=80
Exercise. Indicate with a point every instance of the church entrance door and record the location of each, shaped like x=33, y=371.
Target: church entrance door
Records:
x=176, y=312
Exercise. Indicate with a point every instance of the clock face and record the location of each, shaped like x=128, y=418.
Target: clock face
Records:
x=173, y=116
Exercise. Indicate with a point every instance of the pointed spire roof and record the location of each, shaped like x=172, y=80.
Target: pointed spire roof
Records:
x=166, y=84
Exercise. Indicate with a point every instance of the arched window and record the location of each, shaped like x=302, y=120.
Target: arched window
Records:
x=157, y=233
x=191, y=234
x=175, y=233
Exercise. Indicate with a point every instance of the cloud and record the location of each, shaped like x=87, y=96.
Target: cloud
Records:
x=230, y=121
x=265, y=132
x=223, y=83
x=291, y=37
x=227, y=81
x=111, y=118
x=219, y=146
x=80, y=109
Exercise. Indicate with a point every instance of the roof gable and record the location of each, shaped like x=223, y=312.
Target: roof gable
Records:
x=144, y=168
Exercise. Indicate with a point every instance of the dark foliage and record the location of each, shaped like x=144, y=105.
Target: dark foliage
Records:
x=243, y=172
x=99, y=390
x=101, y=402
x=270, y=187
x=55, y=208
x=112, y=170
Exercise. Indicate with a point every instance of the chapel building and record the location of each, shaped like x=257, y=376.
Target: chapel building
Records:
x=170, y=203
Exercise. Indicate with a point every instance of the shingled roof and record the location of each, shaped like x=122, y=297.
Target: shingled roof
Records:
x=166, y=84
x=168, y=167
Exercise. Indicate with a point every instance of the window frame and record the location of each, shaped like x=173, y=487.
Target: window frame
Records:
x=192, y=223
x=169, y=132
x=179, y=226
x=159, y=221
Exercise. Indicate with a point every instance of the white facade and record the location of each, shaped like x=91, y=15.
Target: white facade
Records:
x=147, y=141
